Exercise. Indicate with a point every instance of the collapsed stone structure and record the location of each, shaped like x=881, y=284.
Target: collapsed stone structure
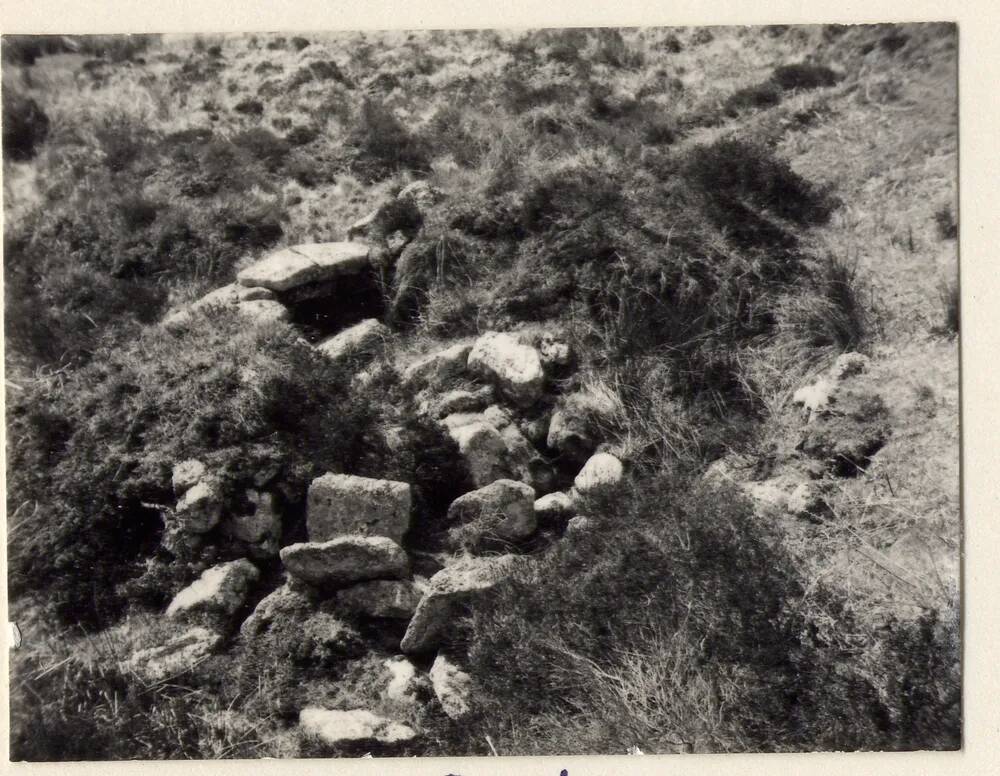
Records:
x=355, y=565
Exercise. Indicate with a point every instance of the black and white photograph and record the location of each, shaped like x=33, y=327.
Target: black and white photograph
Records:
x=482, y=392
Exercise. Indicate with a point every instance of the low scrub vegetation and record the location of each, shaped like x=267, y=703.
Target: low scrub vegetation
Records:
x=669, y=205
x=697, y=661
x=104, y=443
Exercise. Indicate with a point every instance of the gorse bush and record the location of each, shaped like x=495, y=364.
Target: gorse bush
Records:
x=25, y=125
x=123, y=139
x=383, y=144
x=759, y=96
x=250, y=107
x=264, y=146
x=614, y=51
x=731, y=171
x=804, y=75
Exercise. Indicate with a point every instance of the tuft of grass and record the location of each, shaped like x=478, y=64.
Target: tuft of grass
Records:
x=951, y=305
x=946, y=224
x=833, y=313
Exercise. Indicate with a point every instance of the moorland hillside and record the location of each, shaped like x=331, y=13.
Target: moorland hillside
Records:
x=565, y=391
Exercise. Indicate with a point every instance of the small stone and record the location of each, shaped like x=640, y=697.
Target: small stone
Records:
x=346, y=560
x=536, y=430
x=554, y=508
x=200, y=508
x=186, y=475
x=452, y=686
x=573, y=431
x=578, y=525
x=497, y=417
x=424, y=194
x=786, y=494
x=261, y=529
x=362, y=226
x=482, y=448
x=461, y=400
x=849, y=365
x=352, y=727
x=525, y=462
x=600, y=476
x=396, y=241
x=179, y=655
x=815, y=398
x=406, y=685
x=554, y=352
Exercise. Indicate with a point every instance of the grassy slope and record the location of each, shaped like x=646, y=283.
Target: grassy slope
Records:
x=885, y=139
x=890, y=148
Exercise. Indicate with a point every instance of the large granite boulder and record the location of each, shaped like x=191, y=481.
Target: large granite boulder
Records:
x=230, y=297
x=515, y=367
x=218, y=593
x=447, y=592
x=264, y=311
x=343, y=504
x=481, y=446
x=362, y=340
x=345, y=560
x=438, y=366
x=286, y=603
x=501, y=511
x=299, y=265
